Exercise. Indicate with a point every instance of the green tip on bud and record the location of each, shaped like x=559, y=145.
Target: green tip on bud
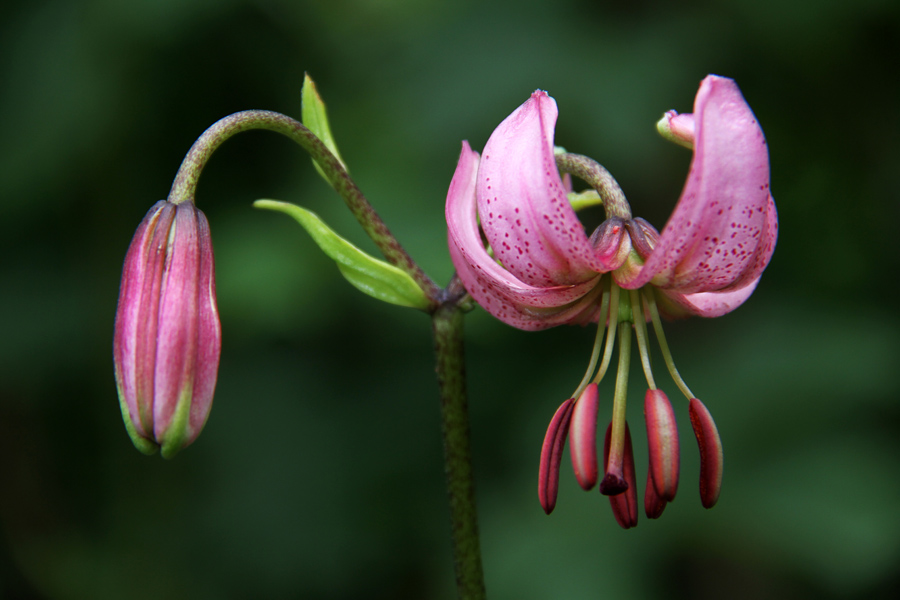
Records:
x=677, y=128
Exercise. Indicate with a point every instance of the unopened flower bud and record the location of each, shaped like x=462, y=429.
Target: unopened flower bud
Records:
x=167, y=334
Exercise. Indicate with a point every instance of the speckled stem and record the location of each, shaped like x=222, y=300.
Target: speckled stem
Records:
x=447, y=323
x=592, y=173
x=185, y=184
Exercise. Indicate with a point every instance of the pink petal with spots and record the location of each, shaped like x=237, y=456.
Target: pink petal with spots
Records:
x=722, y=233
x=522, y=201
x=493, y=287
x=704, y=304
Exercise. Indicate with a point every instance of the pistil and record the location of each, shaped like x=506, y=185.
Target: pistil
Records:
x=614, y=481
x=612, y=321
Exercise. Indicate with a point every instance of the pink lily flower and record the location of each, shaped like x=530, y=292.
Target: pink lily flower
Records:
x=541, y=269
x=167, y=335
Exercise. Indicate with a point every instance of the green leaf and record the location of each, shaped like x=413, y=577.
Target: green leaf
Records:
x=315, y=118
x=585, y=199
x=368, y=274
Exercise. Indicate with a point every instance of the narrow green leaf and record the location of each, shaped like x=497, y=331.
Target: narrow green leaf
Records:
x=315, y=118
x=368, y=274
x=585, y=199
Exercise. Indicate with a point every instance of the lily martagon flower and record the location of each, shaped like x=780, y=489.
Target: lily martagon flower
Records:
x=539, y=268
x=167, y=334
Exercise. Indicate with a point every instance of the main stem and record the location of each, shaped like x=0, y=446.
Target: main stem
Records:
x=446, y=312
x=185, y=184
x=447, y=323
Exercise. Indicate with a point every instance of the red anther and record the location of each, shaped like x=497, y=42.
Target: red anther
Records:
x=624, y=504
x=653, y=504
x=551, y=454
x=662, y=438
x=711, y=458
x=583, y=438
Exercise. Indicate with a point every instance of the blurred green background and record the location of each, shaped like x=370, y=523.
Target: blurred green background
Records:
x=319, y=474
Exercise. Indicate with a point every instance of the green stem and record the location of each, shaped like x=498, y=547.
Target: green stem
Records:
x=447, y=323
x=640, y=332
x=592, y=173
x=185, y=184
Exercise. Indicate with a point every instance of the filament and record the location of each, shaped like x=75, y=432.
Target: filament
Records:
x=661, y=338
x=595, y=352
x=640, y=331
x=611, y=328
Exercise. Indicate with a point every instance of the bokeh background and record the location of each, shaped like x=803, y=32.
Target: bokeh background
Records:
x=319, y=474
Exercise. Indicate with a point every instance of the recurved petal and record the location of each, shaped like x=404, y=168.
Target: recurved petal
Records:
x=551, y=455
x=722, y=232
x=583, y=438
x=493, y=287
x=522, y=201
x=703, y=304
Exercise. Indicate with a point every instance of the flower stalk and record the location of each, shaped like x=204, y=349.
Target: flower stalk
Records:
x=185, y=184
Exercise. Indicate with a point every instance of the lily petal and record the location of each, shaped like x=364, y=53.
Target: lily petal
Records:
x=722, y=233
x=703, y=304
x=497, y=290
x=523, y=205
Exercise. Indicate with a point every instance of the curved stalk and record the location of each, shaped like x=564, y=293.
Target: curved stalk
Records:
x=595, y=175
x=185, y=184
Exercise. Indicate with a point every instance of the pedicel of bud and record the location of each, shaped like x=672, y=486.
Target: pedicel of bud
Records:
x=662, y=438
x=711, y=457
x=551, y=454
x=624, y=504
x=167, y=334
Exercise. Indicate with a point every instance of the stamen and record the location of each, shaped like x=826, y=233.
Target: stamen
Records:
x=611, y=328
x=661, y=338
x=595, y=352
x=614, y=480
x=640, y=332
